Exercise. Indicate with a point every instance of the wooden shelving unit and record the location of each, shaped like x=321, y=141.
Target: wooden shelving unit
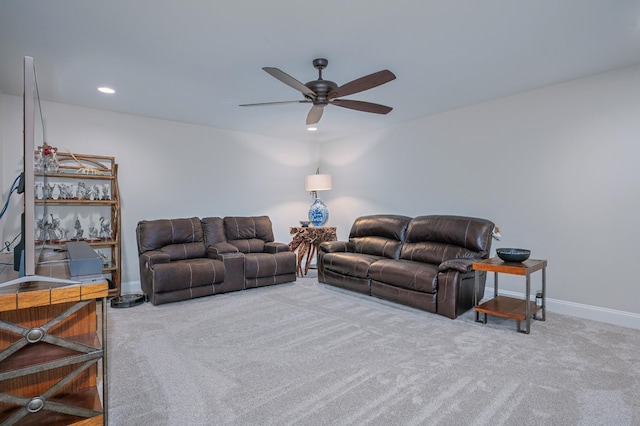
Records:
x=85, y=187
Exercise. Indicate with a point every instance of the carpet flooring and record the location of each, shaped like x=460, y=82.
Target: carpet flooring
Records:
x=306, y=353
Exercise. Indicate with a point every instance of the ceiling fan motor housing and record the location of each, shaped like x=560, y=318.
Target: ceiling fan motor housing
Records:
x=322, y=88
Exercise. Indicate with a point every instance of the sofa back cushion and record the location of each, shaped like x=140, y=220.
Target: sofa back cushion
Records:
x=179, y=238
x=379, y=235
x=248, y=234
x=213, y=230
x=434, y=239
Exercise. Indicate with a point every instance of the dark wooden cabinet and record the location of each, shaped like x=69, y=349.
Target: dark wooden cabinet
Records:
x=53, y=352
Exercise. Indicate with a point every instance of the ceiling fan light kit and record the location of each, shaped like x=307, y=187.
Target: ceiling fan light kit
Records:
x=321, y=93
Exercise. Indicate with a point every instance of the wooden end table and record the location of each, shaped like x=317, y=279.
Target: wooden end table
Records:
x=306, y=240
x=509, y=307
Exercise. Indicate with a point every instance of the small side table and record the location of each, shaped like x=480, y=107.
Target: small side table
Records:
x=306, y=241
x=509, y=307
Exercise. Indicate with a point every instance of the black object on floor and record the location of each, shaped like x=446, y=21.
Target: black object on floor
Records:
x=128, y=300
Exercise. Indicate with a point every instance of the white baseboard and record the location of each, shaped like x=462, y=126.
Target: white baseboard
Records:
x=596, y=313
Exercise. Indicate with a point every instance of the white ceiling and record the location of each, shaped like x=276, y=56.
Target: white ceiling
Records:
x=194, y=61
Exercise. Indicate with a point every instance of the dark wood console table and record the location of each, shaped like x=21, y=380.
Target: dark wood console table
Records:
x=509, y=307
x=53, y=350
x=306, y=241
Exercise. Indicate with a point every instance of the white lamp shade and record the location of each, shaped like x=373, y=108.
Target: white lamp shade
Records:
x=317, y=182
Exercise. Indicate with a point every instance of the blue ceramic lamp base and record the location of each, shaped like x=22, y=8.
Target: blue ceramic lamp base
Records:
x=318, y=213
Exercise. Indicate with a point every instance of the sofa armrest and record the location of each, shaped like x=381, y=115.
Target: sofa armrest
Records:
x=146, y=261
x=275, y=247
x=221, y=248
x=154, y=257
x=335, y=246
x=461, y=265
x=233, y=268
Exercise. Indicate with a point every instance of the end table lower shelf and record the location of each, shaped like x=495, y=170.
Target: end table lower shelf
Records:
x=507, y=307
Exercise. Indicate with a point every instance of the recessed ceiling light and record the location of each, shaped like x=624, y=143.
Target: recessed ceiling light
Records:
x=107, y=90
x=312, y=129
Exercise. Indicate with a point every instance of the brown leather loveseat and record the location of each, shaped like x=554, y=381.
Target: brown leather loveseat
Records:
x=191, y=257
x=424, y=262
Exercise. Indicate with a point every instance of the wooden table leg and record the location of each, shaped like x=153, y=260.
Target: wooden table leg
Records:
x=302, y=250
x=310, y=254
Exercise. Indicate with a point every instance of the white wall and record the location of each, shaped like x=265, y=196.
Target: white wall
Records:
x=556, y=169
x=169, y=169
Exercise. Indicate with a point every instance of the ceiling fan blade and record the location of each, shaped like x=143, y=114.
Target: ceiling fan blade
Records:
x=290, y=81
x=362, y=106
x=314, y=115
x=277, y=103
x=363, y=83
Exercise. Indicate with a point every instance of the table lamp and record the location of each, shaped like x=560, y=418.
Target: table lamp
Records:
x=318, y=212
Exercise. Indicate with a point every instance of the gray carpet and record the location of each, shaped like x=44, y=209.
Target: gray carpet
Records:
x=309, y=354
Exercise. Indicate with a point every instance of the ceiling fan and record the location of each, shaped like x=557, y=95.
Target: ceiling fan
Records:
x=321, y=92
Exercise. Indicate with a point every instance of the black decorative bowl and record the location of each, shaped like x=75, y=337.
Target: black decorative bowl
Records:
x=513, y=254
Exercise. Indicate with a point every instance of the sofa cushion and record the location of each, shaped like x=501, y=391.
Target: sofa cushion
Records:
x=470, y=233
x=213, y=231
x=155, y=234
x=244, y=228
x=250, y=245
x=257, y=265
x=185, y=251
x=377, y=246
x=416, y=276
x=379, y=235
x=184, y=274
x=387, y=226
x=435, y=253
x=350, y=264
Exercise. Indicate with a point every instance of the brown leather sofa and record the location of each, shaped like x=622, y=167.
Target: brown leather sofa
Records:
x=424, y=262
x=192, y=257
